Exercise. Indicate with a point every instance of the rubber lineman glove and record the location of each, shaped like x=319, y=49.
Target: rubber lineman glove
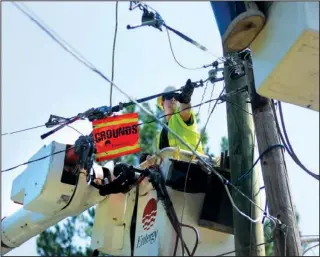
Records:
x=187, y=91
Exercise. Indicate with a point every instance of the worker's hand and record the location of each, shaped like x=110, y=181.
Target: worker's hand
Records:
x=187, y=91
x=144, y=156
x=84, y=148
x=123, y=182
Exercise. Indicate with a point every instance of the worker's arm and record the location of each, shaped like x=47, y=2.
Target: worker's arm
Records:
x=185, y=114
x=185, y=98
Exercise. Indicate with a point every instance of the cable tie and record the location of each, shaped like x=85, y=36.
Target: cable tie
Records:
x=223, y=97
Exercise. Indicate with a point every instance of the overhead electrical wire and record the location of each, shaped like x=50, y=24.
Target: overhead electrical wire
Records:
x=174, y=56
x=291, y=152
x=309, y=235
x=39, y=159
x=22, y=130
x=258, y=159
x=53, y=35
x=75, y=129
x=239, y=106
x=113, y=50
x=211, y=95
x=235, y=251
x=285, y=143
x=203, y=94
x=310, y=248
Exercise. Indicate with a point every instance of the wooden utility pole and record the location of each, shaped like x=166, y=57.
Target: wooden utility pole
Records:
x=275, y=176
x=241, y=138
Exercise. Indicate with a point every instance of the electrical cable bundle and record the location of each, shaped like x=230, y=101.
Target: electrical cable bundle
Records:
x=286, y=142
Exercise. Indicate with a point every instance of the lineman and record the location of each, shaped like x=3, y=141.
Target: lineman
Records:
x=184, y=124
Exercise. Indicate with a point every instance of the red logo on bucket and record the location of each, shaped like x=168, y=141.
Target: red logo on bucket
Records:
x=149, y=214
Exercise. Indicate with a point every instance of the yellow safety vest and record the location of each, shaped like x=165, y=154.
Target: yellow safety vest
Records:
x=189, y=133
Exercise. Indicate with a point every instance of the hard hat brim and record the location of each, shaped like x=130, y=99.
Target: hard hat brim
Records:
x=159, y=99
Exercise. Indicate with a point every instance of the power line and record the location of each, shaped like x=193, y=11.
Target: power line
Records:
x=258, y=159
x=308, y=249
x=203, y=94
x=35, y=127
x=22, y=130
x=310, y=236
x=239, y=106
x=235, y=251
x=291, y=152
x=285, y=143
x=39, y=159
x=53, y=35
x=174, y=57
x=75, y=129
x=211, y=95
x=113, y=51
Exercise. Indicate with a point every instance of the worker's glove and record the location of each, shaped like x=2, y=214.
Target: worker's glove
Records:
x=125, y=179
x=143, y=157
x=84, y=148
x=187, y=91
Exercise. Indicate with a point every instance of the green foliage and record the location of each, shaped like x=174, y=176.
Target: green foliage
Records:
x=224, y=144
x=267, y=227
x=59, y=239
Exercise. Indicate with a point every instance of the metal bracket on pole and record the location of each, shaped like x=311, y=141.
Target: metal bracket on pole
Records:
x=256, y=99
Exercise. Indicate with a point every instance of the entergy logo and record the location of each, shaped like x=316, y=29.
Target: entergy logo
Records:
x=149, y=214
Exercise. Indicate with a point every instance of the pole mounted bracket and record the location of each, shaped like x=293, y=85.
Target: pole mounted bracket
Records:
x=257, y=101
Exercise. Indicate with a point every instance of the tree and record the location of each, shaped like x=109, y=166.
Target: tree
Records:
x=224, y=144
x=59, y=240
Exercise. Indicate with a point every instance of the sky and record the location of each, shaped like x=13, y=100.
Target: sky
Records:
x=39, y=79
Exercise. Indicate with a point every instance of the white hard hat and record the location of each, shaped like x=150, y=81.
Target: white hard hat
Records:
x=167, y=89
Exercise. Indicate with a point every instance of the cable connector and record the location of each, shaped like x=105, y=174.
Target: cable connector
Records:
x=100, y=113
x=55, y=120
x=215, y=64
x=213, y=74
x=148, y=18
